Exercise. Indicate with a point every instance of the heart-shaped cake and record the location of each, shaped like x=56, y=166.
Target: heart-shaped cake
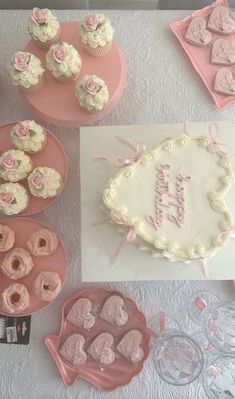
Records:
x=221, y=21
x=197, y=34
x=130, y=346
x=113, y=311
x=223, y=52
x=80, y=314
x=171, y=200
x=225, y=82
x=101, y=348
x=72, y=350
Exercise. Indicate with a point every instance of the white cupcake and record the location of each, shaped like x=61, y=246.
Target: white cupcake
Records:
x=43, y=27
x=64, y=62
x=13, y=198
x=26, y=71
x=96, y=33
x=29, y=136
x=15, y=165
x=45, y=182
x=92, y=93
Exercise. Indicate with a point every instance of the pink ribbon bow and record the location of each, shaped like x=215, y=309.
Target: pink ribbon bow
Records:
x=230, y=230
x=219, y=146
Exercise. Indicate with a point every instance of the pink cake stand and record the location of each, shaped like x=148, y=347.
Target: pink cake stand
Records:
x=56, y=102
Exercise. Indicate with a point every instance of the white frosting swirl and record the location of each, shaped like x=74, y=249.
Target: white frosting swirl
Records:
x=15, y=165
x=69, y=67
x=49, y=185
x=92, y=102
x=19, y=200
x=30, y=76
x=99, y=37
x=45, y=31
x=34, y=138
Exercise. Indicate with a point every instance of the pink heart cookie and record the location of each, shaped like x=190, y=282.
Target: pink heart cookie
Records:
x=101, y=348
x=223, y=52
x=197, y=34
x=220, y=21
x=130, y=346
x=113, y=311
x=224, y=82
x=72, y=350
x=80, y=314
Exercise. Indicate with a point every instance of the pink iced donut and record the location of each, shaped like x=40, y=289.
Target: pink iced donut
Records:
x=7, y=238
x=17, y=263
x=42, y=242
x=14, y=298
x=47, y=286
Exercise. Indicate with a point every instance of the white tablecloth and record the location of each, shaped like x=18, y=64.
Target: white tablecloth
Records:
x=161, y=87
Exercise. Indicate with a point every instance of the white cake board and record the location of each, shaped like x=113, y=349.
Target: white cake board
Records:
x=98, y=243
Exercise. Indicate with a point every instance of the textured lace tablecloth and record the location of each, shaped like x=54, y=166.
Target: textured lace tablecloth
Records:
x=161, y=87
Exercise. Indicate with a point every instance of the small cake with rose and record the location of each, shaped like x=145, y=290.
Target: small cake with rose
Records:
x=13, y=198
x=92, y=93
x=17, y=263
x=26, y=71
x=43, y=27
x=47, y=286
x=96, y=34
x=64, y=62
x=29, y=136
x=7, y=238
x=15, y=165
x=45, y=182
x=14, y=299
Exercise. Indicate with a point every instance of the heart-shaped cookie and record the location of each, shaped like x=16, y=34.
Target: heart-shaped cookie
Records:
x=225, y=82
x=72, y=350
x=101, y=349
x=80, y=314
x=130, y=346
x=113, y=311
x=223, y=52
x=220, y=21
x=197, y=34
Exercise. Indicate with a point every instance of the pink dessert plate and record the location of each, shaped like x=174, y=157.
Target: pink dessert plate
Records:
x=52, y=156
x=56, y=102
x=56, y=262
x=105, y=377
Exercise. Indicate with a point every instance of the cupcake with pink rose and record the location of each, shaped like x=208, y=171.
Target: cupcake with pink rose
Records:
x=26, y=71
x=45, y=182
x=64, y=62
x=92, y=93
x=13, y=198
x=29, y=136
x=96, y=34
x=15, y=165
x=43, y=27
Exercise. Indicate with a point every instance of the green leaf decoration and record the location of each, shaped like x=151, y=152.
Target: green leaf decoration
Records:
x=14, y=201
x=32, y=133
x=19, y=162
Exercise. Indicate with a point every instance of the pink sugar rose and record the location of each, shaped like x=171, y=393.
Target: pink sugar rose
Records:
x=20, y=61
x=59, y=53
x=91, y=86
x=6, y=198
x=90, y=23
x=9, y=163
x=37, y=180
x=22, y=131
x=39, y=15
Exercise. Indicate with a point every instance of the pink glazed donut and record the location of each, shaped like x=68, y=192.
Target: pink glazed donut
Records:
x=42, y=242
x=17, y=263
x=14, y=298
x=47, y=286
x=7, y=238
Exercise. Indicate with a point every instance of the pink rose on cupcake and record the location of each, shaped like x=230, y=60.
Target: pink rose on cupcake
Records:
x=6, y=198
x=22, y=131
x=39, y=15
x=91, y=86
x=9, y=163
x=37, y=180
x=90, y=23
x=20, y=61
x=59, y=53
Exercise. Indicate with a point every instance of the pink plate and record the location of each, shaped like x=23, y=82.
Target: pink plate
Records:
x=52, y=156
x=56, y=262
x=56, y=103
x=108, y=377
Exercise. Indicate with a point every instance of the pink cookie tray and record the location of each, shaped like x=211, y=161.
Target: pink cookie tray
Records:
x=56, y=262
x=56, y=103
x=109, y=377
x=52, y=156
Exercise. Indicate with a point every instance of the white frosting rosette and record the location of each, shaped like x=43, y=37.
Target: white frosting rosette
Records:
x=25, y=69
x=43, y=25
x=92, y=93
x=15, y=165
x=29, y=136
x=63, y=60
x=13, y=198
x=45, y=182
x=96, y=30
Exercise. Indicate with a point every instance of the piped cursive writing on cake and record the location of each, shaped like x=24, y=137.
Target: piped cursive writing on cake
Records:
x=171, y=206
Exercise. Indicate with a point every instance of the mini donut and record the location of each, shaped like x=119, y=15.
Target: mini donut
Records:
x=7, y=238
x=14, y=298
x=42, y=242
x=17, y=263
x=47, y=286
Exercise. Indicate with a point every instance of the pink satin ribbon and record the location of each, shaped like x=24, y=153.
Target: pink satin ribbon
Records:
x=230, y=230
x=219, y=146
